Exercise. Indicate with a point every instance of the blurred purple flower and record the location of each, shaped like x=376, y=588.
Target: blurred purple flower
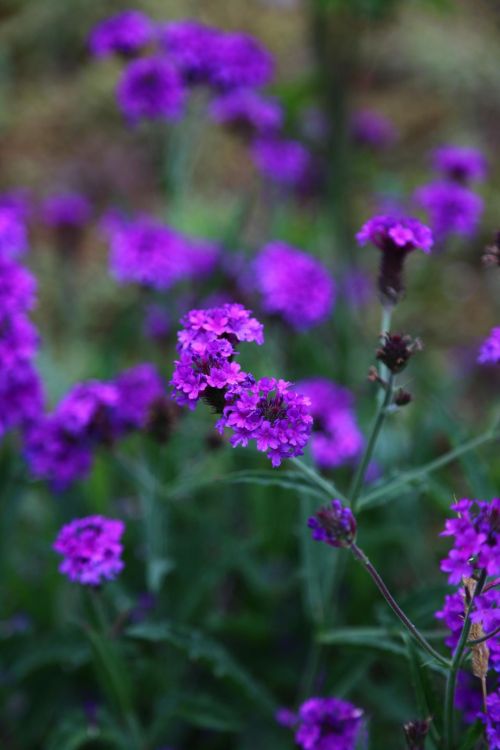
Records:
x=138, y=388
x=240, y=61
x=492, y=720
x=328, y=724
x=490, y=348
x=282, y=161
x=66, y=210
x=372, y=129
x=124, y=34
x=451, y=208
x=17, y=288
x=156, y=323
x=293, y=285
x=21, y=396
x=191, y=45
x=247, y=111
x=460, y=164
x=92, y=549
x=13, y=233
x=151, y=89
x=357, y=288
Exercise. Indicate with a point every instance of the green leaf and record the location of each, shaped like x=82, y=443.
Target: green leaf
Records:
x=201, y=648
x=377, y=638
x=74, y=732
x=203, y=711
x=471, y=737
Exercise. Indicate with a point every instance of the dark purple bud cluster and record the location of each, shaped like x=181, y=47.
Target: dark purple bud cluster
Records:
x=396, y=350
x=334, y=524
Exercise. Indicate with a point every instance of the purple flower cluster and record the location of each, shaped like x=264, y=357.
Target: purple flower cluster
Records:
x=396, y=234
x=247, y=111
x=66, y=211
x=325, y=724
x=476, y=534
x=371, y=129
x=490, y=348
x=336, y=437
x=207, y=347
x=59, y=446
x=335, y=525
x=151, y=88
x=460, y=164
x=286, y=162
x=293, y=285
x=92, y=549
x=451, y=208
x=492, y=721
x=269, y=413
x=146, y=252
x=125, y=33
x=13, y=233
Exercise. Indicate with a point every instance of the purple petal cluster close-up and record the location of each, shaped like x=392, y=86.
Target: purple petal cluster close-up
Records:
x=92, y=549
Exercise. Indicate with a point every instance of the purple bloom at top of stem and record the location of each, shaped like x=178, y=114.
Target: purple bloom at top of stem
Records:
x=66, y=210
x=490, y=348
x=336, y=437
x=294, y=285
x=17, y=287
x=268, y=412
x=460, y=163
x=231, y=321
x=138, y=389
x=396, y=234
x=328, y=724
x=191, y=45
x=283, y=161
x=372, y=129
x=451, y=208
x=124, y=34
x=333, y=524
x=476, y=534
x=151, y=88
x=92, y=549
x=18, y=339
x=13, y=233
x=247, y=111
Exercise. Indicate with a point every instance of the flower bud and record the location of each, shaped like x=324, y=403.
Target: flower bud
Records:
x=334, y=525
x=396, y=350
x=416, y=732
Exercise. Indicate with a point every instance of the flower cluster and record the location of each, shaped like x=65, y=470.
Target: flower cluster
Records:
x=66, y=211
x=151, y=88
x=293, y=285
x=325, y=724
x=145, y=251
x=13, y=233
x=451, y=208
x=460, y=163
x=247, y=111
x=125, y=33
x=335, y=525
x=286, y=162
x=336, y=437
x=476, y=534
x=92, y=549
x=371, y=129
x=490, y=348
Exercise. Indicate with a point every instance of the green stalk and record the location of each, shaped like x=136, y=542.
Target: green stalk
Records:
x=317, y=479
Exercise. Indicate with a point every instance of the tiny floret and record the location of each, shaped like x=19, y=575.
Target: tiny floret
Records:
x=92, y=549
x=334, y=524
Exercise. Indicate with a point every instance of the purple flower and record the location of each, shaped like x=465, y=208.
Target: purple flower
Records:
x=240, y=61
x=86, y=410
x=336, y=437
x=247, y=111
x=146, y=252
x=156, y=323
x=92, y=549
x=66, y=210
x=451, y=208
x=54, y=454
x=191, y=45
x=476, y=534
x=17, y=288
x=328, y=724
x=124, y=34
x=492, y=721
x=21, y=396
x=268, y=412
x=372, y=129
x=18, y=339
x=357, y=288
x=490, y=348
x=138, y=389
x=335, y=525
x=460, y=164
x=294, y=285
x=13, y=234
x=282, y=161
x=151, y=89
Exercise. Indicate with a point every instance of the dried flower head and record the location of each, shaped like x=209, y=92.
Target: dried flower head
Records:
x=334, y=524
x=396, y=350
x=416, y=733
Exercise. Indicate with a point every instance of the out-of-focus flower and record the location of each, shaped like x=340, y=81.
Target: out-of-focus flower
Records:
x=66, y=211
x=138, y=389
x=490, y=348
x=13, y=233
x=247, y=112
x=156, y=323
x=293, y=285
x=146, y=252
x=191, y=45
x=285, y=162
x=372, y=129
x=268, y=412
x=357, y=288
x=21, y=396
x=335, y=525
x=18, y=339
x=124, y=34
x=477, y=539
x=17, y=288
x=336, y=437
x=492, y=720
x=92, y=549
x=328, y=724
x=151, y=89
x=451, y=208
x=460, y=163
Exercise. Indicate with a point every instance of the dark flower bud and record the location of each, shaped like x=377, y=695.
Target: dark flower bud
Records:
x=491, y=255
x=396, y=350
x=402, y=397
x=416, y=732
x=334, y=525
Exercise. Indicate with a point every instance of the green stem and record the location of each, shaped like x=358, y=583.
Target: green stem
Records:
x=418, y=473
x=412, y=629
x=451, y=681
x=357, y=482
x=385, y=327
x=485, y=637
x=317, y=479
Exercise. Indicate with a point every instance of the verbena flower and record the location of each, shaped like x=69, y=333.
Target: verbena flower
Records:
x=138, y=389
x=248, y=112
x=490, y=348
x=328, y=724
x=13, y=233
x=372, y=129
x=492, y=720
x=17, y=288
x=124, y=34
x=92, y=549
x=285, y=162
x=156, y=323
x=460, y=163
x=21, y=396
x=18, y=338
x=191, y=45
x=151, y=89
x=476, y=534
x=147, y=252
x=336, y=437
x=66, y=210
x=293, y=285
x=451, y=208
x=334, y=524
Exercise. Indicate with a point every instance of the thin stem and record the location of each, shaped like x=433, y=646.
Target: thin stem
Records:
x=317, y=479
x=357, y=482
x=451, y=681
x=412, y=629
x=385, y=327
x=484, y=638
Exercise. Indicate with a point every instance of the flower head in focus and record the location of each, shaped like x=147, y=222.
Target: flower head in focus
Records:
x=476, y=545
x=328, y=724
x=92, y=549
